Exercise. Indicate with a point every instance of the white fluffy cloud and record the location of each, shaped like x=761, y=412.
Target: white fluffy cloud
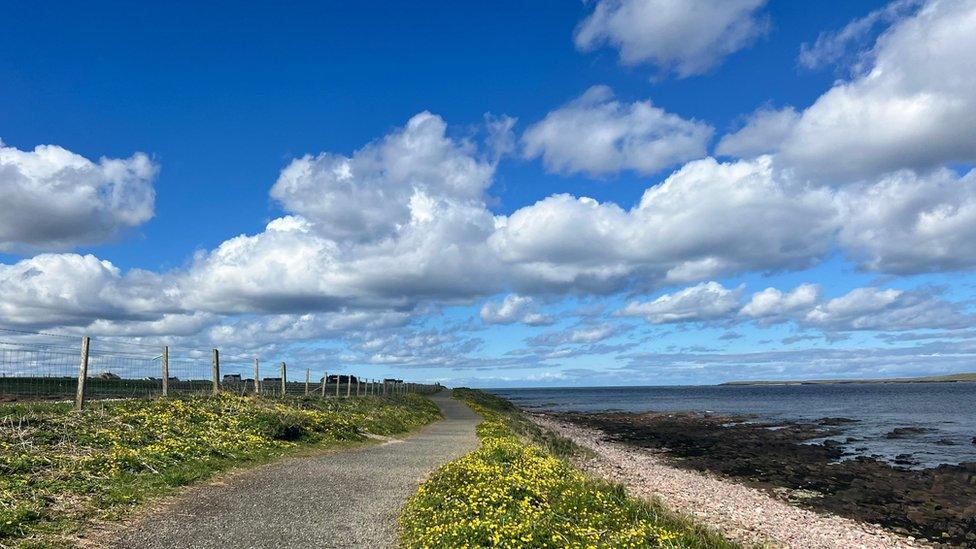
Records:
x=706, y=219
x=386, y=184
x=912, y=108
x=687, y=37
x=54, y=198
x=71, y=289
x=763, y=131
x=774, y=304
x=514, y=308
x=705, y=301
x=907, y=223
x=885, y=309
x=870, y=308
x=598, y=135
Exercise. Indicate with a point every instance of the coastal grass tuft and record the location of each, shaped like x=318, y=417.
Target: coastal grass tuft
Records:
x=516, y=491
x=61, y=470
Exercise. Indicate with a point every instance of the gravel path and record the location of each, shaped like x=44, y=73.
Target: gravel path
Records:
x=739, y=512
x=345, y=499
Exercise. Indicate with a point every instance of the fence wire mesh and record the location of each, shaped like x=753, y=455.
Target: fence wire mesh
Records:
x=44, y=366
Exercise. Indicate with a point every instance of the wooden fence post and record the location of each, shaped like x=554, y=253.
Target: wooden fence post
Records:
x=325, y=379
x=165, y=370
x=308, y=373
x=82, y=373
x=284, y=379
x=215, y=370
x=357, y=385
x=257, y=378
x=338, y=379
x=348, y=385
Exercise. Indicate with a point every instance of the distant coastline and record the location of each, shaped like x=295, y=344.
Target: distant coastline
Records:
x=951, y=378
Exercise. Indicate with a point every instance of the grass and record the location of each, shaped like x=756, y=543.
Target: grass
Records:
x=519, y=489
x=61, y=470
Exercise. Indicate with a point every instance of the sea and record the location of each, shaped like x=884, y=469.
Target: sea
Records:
x=944, y=412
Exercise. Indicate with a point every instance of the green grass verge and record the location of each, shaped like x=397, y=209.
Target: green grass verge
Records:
x=61, y=470
x=519, y=490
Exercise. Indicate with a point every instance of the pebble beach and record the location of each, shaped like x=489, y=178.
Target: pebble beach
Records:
x=742, y=513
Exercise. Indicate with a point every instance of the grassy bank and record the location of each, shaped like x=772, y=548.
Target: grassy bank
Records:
x=59, y=470
x=519, y=490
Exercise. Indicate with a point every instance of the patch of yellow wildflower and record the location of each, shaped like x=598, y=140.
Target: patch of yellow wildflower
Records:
x=512, y=494
x=58, y=467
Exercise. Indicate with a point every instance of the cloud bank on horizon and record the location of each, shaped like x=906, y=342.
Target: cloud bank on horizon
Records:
x=395, y=255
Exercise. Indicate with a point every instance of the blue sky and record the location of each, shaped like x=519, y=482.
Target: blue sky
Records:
x=445, y=116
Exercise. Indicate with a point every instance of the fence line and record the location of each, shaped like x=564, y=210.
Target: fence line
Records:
x=44, y=366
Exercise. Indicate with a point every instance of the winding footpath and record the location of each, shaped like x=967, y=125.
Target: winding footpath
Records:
x=344, y=499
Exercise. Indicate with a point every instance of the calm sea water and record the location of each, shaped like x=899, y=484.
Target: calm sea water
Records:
x=947, y=410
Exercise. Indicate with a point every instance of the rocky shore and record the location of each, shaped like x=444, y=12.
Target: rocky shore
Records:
x=779, y=462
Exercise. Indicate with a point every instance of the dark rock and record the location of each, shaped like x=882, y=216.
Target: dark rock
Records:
x=905, y=459
x=905, y=432
x=836, y=421
x=945, y=442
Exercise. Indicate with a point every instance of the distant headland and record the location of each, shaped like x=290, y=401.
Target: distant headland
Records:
x=951, y=378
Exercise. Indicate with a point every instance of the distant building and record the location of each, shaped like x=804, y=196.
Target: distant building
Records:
x=232, y=378
x=341, y=379
x=271, y=380
x=392, y=380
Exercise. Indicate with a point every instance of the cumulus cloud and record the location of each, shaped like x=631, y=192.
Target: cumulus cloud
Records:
x=598, y=135
x=706, y=219
x=886, y=309
x=514, y=308
x=907, y=223
x=705, y=301
x=74, y=290
x=912, y=106
x=687, y=38
x=762, y=133
x=773, y=303
x=868, y=308
x=387, y=184
x=54, y=198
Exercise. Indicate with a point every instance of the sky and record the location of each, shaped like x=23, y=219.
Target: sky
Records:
x=545, y=193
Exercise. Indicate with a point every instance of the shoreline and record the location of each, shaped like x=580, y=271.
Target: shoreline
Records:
x=792, y=463
x=743, y=513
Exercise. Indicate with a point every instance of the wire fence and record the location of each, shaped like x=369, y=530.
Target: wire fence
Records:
x=43, y=366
